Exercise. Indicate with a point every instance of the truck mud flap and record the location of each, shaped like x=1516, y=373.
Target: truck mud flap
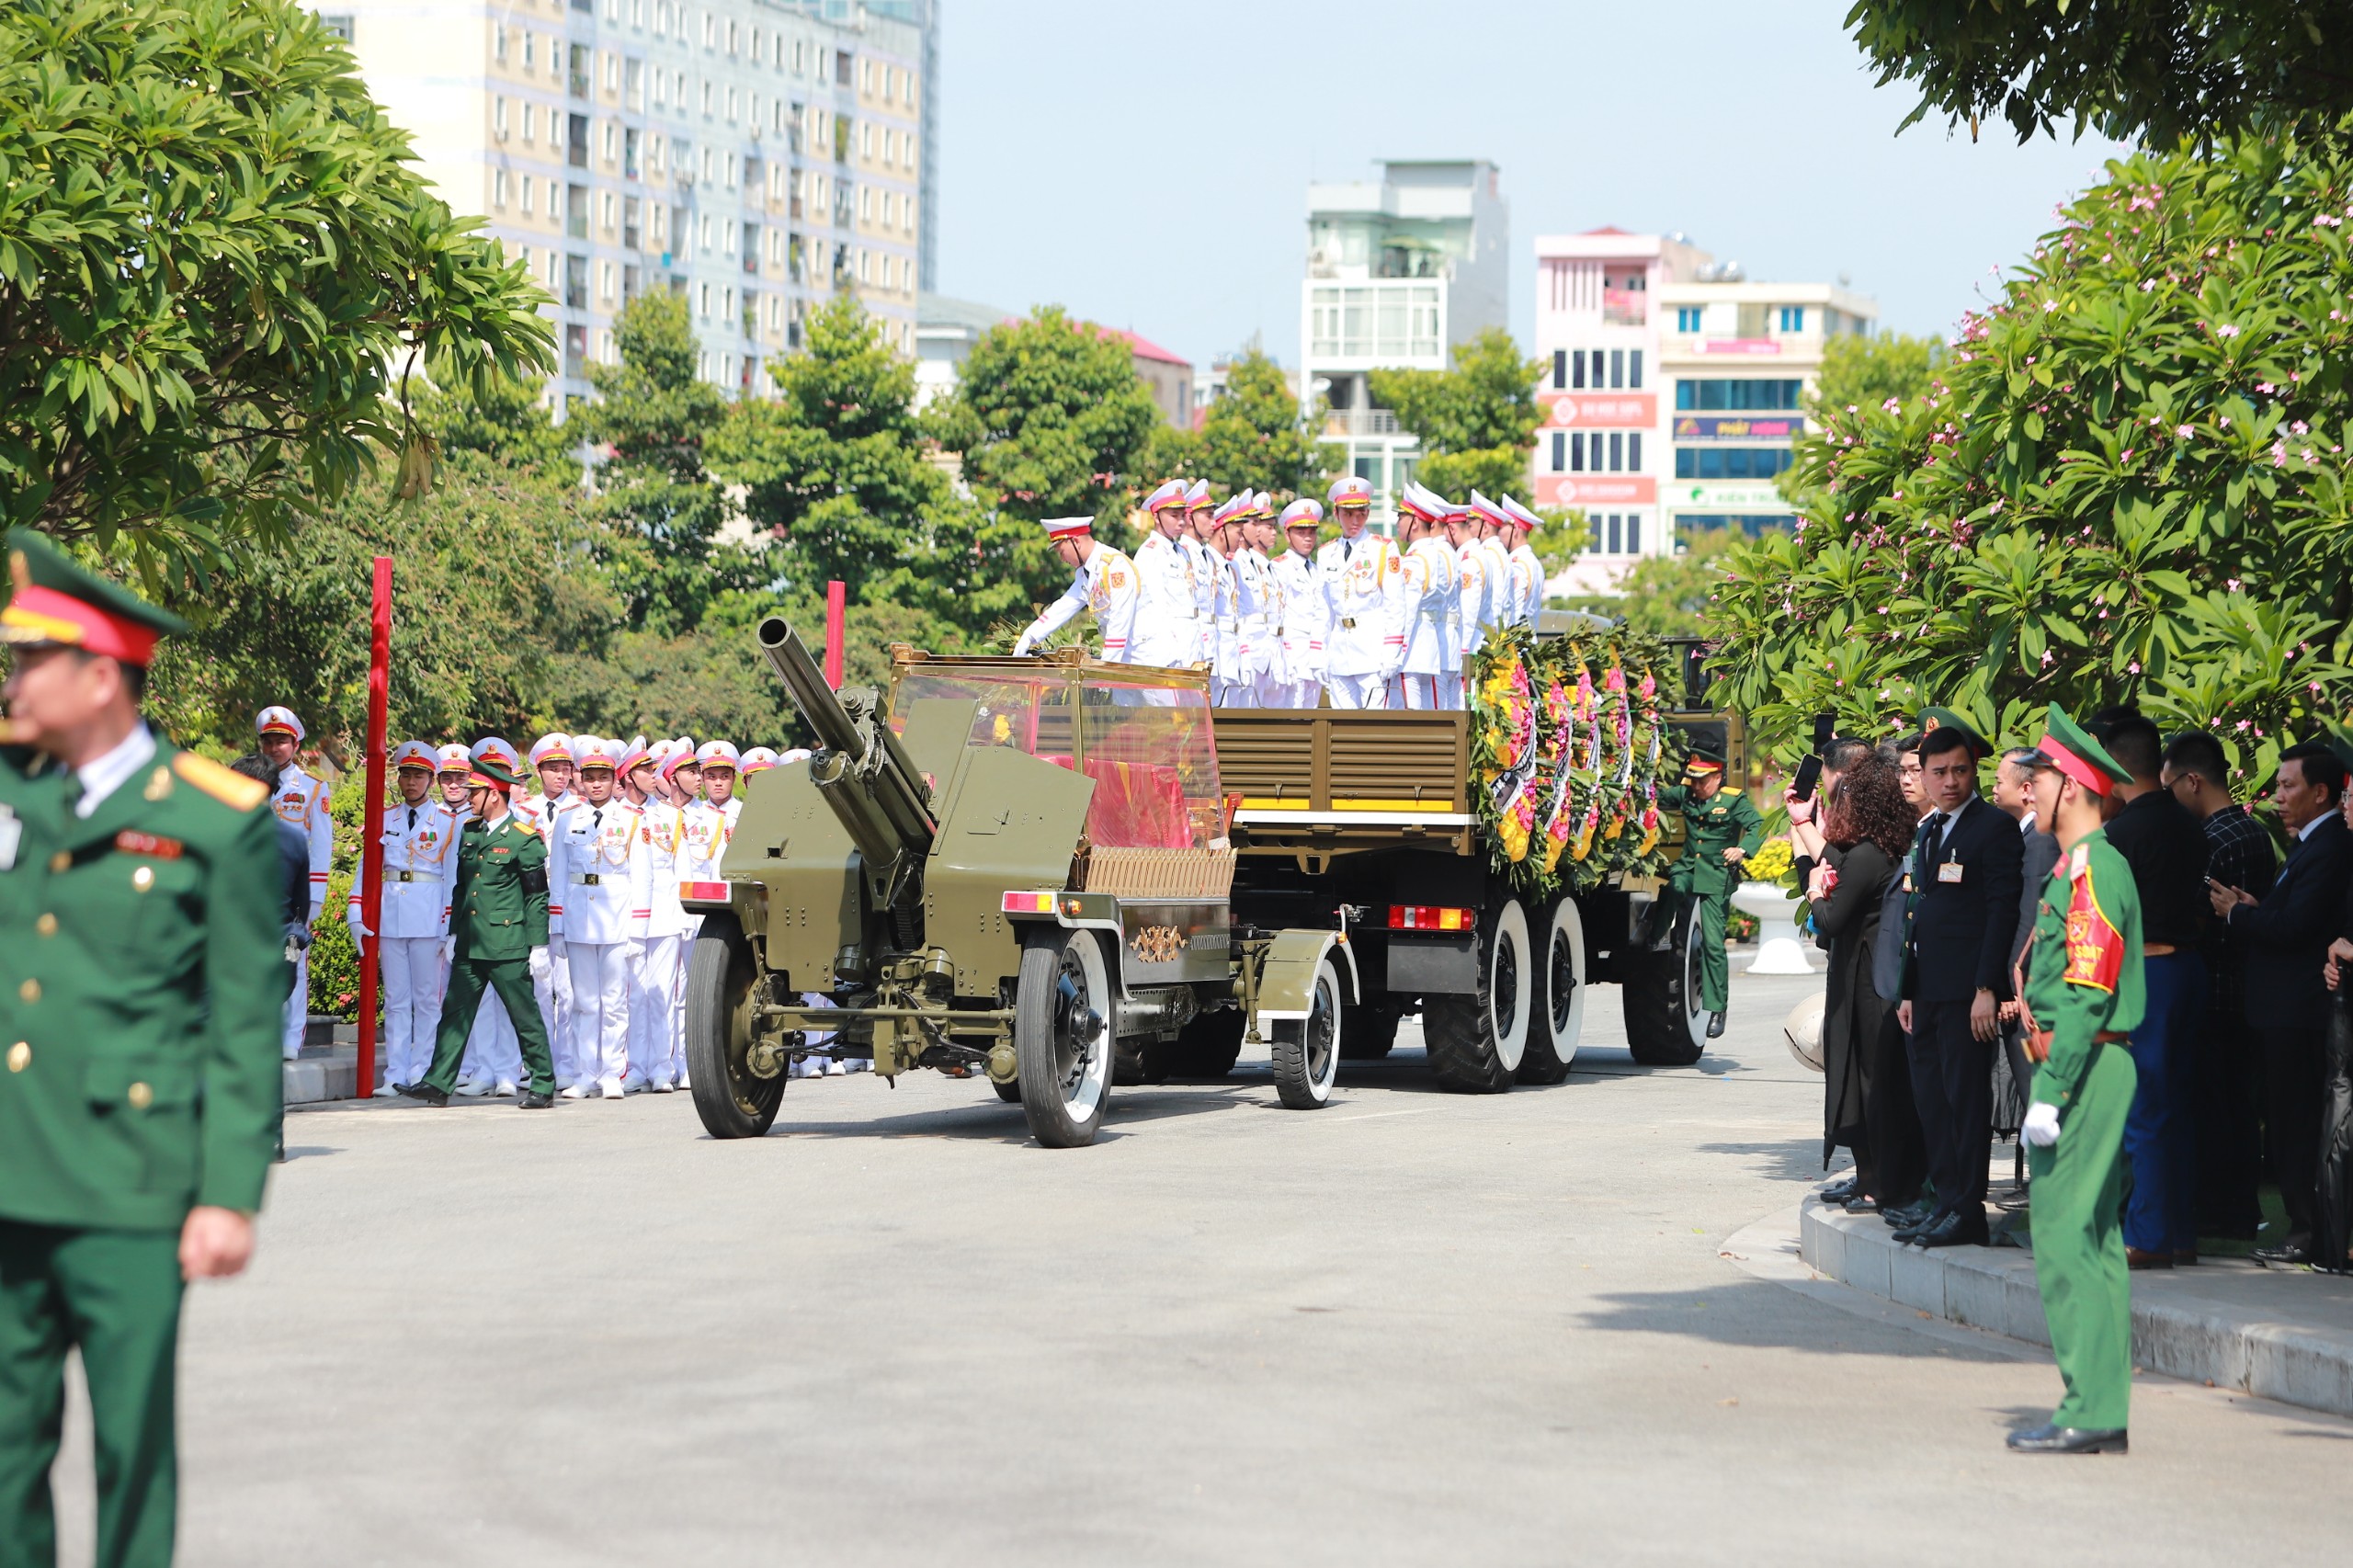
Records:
x=1434, y=966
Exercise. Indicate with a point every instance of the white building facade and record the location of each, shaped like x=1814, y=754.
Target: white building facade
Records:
x=1400, y=269
x=1674, y=390
x=753, y=156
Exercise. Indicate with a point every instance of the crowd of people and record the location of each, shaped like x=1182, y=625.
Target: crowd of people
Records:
x=1370, y=621
x=626, y=827
x=1927, y=895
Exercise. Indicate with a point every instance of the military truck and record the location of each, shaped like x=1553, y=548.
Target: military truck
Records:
x=1013, y=867
x=1363, y=821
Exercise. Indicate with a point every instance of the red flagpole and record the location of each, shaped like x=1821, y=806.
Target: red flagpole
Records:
x=371, y=852
x=836, y=609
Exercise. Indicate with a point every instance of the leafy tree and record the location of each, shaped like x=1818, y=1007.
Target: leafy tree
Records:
x=2128, y=483
x=834, y=465
x=1859, y=371
x=219, y=279
x=1477, y=420
x=1050, y=418
x=1254, y=435
x=1666, y=596
x=2136, y=70
x=653, y=408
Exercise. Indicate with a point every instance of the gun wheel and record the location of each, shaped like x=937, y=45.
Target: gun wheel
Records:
x=731, y=1099
x=1062, y=1029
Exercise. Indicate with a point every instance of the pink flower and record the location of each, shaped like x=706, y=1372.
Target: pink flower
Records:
x=2183, y=431
x=2298, y=427
x=2225, y=331
x=2232, y=584
x=2134, y=666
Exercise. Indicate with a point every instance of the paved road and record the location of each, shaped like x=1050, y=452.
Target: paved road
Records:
x=1410, y=1328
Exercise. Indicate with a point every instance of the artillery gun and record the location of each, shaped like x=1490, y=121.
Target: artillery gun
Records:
x=1016, y=867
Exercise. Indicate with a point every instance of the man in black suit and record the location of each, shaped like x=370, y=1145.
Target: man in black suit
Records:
x=2283, y=939
x=1967, y=867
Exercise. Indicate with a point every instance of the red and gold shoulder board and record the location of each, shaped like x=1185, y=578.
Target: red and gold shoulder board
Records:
x=2095, y=946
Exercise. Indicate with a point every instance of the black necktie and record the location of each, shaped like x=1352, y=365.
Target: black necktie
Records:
x=412, y=819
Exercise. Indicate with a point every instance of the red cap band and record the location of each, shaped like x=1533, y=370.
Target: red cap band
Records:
x=54, y=617
x=2075, y=767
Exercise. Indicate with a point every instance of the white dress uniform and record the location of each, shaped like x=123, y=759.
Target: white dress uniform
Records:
x=301, y=799
x=1528, y=568
x=411, y=921
x=1262, y=680
x=1106, y=583
x=1426, y=605
x=657, y=1025
x=1363, y=645
x=1475, y=588
x=597, y=870
x=1167, y=617
x=1304, y=613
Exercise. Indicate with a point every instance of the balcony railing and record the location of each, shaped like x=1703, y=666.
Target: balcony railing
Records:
x=1362, y=422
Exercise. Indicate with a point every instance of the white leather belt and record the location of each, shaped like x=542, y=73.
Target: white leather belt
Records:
x=412, y=876
x=588, y=879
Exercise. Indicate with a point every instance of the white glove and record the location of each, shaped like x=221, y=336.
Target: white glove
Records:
x=1027, y=640
x=632, y=950
x=540, y=961
x=555, y=949
x=2042, y=1126
x=359, y=932
x=449, y=950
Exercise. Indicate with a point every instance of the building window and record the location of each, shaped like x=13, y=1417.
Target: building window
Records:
x=1614, y=519
x=1635, y=451
x=1616, y=451
x=530, y=52
x=1731, y=462
x=575, y=282
x=498, y=118
x=605, y=280
x=612, y=141
x=702, y=300
x=1792, y=318
x=1635, y=368
x=499, y=189
x=1617, y=367
x=1559, y=451
x=1577, y=368
x=576, y=210
x=498, y=42
x=530, y=194
x=1560, y=373
x=841, y=68
x=530, y=124
x=1633, y=533
x=1740, y=395
x=1576, y=452
x=613, y=210
x=1687, y=318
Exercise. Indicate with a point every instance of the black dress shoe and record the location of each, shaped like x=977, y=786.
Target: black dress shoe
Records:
x=2135, y=1259
x=426, y=1094
x=1911, y=1229
x=1953, y=1230
x=1716, y=1025
x=1863, y=1203
x=2294, y=1250
x=1839, y=1191
x=1911, y=1216
x=2069, y=1441
x=532, y=1100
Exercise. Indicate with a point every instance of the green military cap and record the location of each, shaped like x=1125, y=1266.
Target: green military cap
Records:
x=1934, y=719
x=1702, y=762
x=57, y=603
x=2069, y=747
x=489, y=773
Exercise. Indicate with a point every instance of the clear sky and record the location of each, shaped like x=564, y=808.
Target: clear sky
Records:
x=1147, y=164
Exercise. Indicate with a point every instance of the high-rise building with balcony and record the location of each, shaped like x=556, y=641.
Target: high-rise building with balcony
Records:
x=1400, y=269
x=753, y=156
x=1674, y=389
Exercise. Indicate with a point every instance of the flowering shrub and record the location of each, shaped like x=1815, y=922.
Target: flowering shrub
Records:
x=2128, y=485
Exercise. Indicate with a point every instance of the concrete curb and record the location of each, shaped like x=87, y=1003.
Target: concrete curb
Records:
x=2277, y=1335
x=328, y=1068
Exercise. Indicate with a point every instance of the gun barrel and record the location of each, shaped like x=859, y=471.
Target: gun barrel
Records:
x=790, y=658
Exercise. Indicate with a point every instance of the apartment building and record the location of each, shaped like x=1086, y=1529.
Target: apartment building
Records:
x=752, y=156
x=1400, y=269
x=1675, y=388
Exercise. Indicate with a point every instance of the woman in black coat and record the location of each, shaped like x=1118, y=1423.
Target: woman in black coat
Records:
x=1868, y=827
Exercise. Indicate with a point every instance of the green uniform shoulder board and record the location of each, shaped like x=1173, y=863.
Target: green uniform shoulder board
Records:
x=232, y=790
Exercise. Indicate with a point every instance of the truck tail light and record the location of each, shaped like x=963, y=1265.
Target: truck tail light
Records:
x=704, y=892
x=1427, y=917
x=1028, y=903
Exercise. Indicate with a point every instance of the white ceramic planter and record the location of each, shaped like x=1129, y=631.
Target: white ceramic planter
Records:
x=1778, y=951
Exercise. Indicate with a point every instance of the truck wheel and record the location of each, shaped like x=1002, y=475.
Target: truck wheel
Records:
x=1371, y=1033
x=1475, y=1043
x=1009, y=1093
x=1560, y=996
x=1665, y=1026
x=1063, y=1030
x=1208, y=1047
x=731, y=1101
x=1306, y=1050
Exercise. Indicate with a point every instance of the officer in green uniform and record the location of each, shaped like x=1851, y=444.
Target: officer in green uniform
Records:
x=1721, y=829
x=141, y=978
x=2083, y=996
x=498, y=912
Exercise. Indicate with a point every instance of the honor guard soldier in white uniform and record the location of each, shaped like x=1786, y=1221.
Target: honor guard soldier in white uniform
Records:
x=1168, y=625
x=455, y=763
x=419, y=836
x=1425, y=606
x=1303, y=609
x=1476, y=587
x=301, y=800
x=1492, y=520
x=1361, y=645
x=1200, y=527
x=719, y=767
x=1258, y=611
x=1103, y=581
x=1224, y=653
x=552, y=762
x=493, y=1060
x=756, y=759
x=1527, y=567
x=655, y=1034
x=598, y=872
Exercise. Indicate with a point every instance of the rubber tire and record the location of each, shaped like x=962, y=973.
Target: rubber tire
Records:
x=1559, y=1014
x=1371, y=1033
x=1044, y=1099
x=1659, y=991
x=718, y=1024
x=1306, y=1050
x=1477, y=1043
x=1009, y=1093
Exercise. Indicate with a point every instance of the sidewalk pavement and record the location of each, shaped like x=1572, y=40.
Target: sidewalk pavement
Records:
x=2279, y=1334
x=328, y=1068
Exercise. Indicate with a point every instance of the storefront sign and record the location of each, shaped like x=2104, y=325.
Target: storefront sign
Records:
x=1723, y=497
x=1587, y=490
x=1739, y=426
x=1609, y=411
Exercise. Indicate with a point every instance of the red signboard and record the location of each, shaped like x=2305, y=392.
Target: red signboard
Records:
x=1618, y=410
x=1739, y=426
x=1595, y=490
x=1737, y=345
